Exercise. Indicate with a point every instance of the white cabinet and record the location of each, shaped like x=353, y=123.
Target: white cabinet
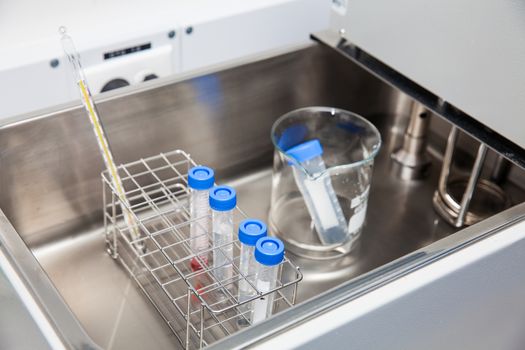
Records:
x=183, y=36
x=33, y=86
x=468, y=53
x=246, y=28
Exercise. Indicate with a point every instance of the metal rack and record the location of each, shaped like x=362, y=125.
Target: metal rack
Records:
x=199, y=308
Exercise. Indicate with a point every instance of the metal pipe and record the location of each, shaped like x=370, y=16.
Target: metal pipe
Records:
x=188, y=315
x=501, y=170
x=445, y=169
x=412, y=157
x=471, y=185
x=419, y=121
x=201, y=336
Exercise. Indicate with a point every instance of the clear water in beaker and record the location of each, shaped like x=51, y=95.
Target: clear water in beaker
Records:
x=319, y=199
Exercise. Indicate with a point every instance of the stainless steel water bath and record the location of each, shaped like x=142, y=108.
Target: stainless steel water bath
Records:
x=52, y=192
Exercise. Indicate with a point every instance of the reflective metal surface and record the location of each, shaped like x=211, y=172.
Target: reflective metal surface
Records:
x=18, y=329
x=101, y=294
x=59, y=327
x=51, y=187
x=412, y=157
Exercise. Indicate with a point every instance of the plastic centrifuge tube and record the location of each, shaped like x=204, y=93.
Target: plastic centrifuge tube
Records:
x=250, y=231
x=200, y=180
x=269, y=253
x=318, y=192
x=223, y=200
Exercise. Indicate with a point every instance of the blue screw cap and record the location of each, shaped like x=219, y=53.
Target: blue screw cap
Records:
x=305, y=151
x=201, y=178
x=269, y=251
x=223, y=198
x=250, y=230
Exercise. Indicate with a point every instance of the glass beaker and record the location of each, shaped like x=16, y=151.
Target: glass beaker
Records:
x=322, y=171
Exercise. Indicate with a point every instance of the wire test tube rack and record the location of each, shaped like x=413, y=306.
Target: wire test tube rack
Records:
x=199, y=308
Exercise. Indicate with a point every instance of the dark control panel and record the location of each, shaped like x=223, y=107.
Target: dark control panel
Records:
x=127, y=51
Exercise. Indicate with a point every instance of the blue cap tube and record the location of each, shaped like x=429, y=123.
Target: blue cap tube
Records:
x=223, y=198
x=201, y=178
x=251, y=230
x=305, y=151
x=269, y=251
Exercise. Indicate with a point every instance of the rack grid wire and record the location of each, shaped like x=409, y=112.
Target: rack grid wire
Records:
x=198, y=307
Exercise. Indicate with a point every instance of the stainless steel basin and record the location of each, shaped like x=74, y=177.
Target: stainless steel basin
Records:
x=51, y=186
